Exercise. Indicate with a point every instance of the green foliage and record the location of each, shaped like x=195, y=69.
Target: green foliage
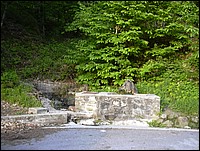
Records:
x=54, y=60
x=154, y=43
x=9, y=79
x=155, y=123
x=181, y=96
x=14, y=92
x=19, y=95
x=121, y=47
x=147, y=48
x=17, y=54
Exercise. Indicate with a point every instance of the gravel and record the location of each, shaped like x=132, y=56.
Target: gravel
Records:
x=12, y=109
x=16, y=130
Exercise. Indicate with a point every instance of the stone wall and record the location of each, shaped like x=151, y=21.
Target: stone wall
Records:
x=44, y=119
x=39, y=119
x=112, y=106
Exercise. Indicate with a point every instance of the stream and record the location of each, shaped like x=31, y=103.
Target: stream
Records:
x=53, y=95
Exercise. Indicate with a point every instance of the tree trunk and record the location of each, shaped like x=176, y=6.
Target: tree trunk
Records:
x=4, y=13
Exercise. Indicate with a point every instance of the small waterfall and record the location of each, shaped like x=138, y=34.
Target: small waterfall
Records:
x=53, y=95
x=47, y=104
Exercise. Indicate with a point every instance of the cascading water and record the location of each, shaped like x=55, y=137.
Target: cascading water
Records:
x=53, y=96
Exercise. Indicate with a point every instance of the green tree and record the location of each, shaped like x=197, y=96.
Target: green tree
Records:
x=132, y=39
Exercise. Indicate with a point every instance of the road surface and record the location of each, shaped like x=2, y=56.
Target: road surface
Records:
x=110, y=138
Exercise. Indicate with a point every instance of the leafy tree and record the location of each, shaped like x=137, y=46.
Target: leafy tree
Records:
x=133, y=39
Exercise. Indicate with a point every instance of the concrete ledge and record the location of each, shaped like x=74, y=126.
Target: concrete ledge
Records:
x=62, y=117
x=40, y=119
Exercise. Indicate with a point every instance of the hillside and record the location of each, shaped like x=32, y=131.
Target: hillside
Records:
x=159, y=50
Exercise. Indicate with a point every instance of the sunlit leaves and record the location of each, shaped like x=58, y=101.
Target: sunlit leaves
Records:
x=129, y=37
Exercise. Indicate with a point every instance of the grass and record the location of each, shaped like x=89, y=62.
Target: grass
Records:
x=182, y=96
x=19, y=95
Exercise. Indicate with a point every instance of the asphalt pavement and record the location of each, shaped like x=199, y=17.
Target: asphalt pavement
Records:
x=80, y=137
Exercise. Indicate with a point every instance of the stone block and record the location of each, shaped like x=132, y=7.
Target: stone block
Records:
x=37, y=110
x=110, y=106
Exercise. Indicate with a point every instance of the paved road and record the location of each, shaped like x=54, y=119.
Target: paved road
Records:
x=111, y=138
